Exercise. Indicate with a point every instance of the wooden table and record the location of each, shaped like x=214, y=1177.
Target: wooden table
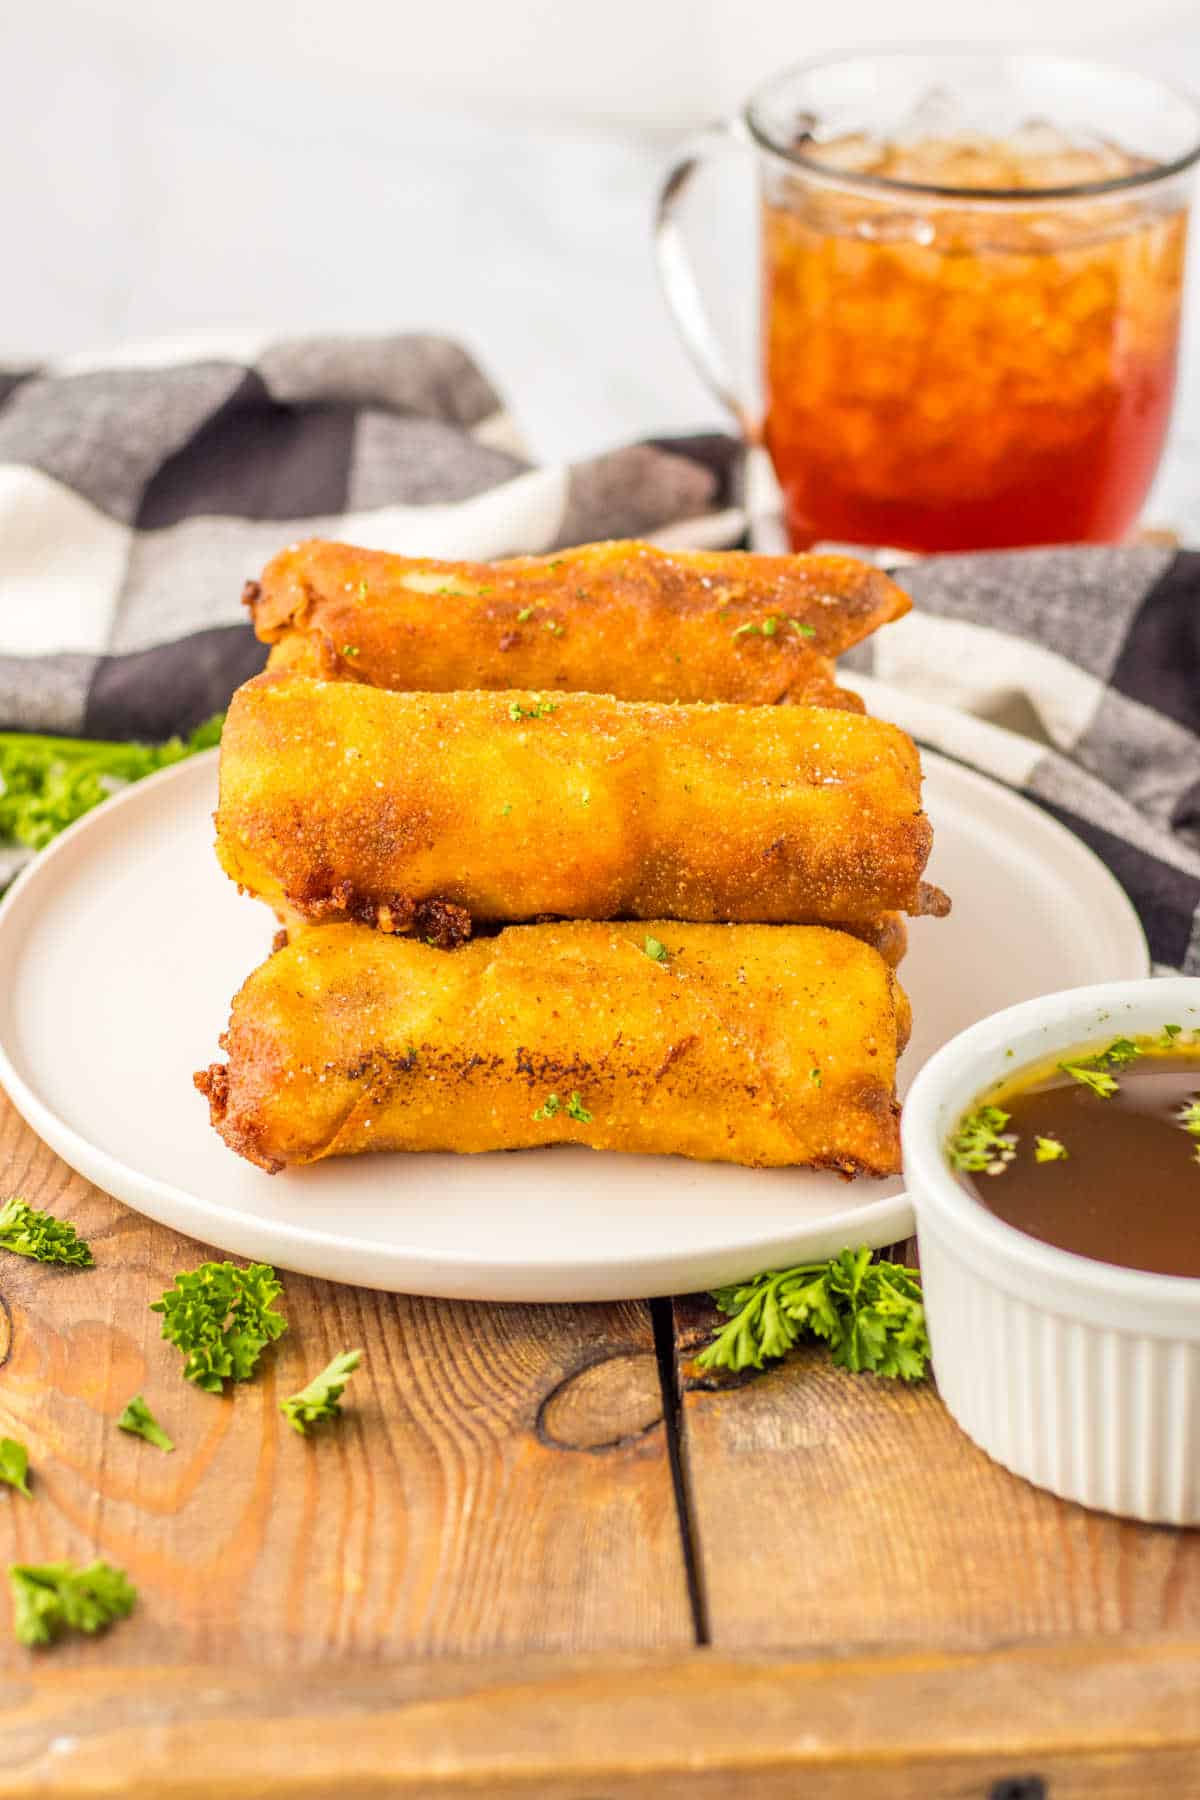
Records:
x=516, y=1569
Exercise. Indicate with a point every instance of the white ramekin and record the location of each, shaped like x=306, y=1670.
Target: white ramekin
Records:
x=1082, y=1377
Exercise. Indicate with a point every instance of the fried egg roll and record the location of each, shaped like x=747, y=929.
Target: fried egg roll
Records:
x=756, y=1044
x=427, y=812
x=618, y=618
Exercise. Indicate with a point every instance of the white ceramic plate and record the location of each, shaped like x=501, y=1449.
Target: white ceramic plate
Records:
x=122, y=945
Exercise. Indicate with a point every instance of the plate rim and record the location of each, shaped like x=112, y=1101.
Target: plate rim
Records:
x=454, y=1272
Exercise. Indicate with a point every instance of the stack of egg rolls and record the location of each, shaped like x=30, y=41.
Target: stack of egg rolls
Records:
x=663, y=917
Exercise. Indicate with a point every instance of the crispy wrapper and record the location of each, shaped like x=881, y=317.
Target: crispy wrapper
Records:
x=616, y=618
x=755, y=1044
x=427, y=812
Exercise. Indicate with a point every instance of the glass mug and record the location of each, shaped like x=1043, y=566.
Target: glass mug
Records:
x=972, y=267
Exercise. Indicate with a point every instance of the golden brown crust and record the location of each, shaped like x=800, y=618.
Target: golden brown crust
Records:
x=615, y=618
x=343, y=801
x=762, y=1045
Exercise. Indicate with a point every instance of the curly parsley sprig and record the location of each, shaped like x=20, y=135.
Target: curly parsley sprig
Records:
x=222, y=1317
x=46, y=783
x=981, y=1146
x=870, y=1313
x=26, y=1231
x=50, y=1598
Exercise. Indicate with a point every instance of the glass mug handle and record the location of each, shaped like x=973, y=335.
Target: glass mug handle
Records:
x=678, y=277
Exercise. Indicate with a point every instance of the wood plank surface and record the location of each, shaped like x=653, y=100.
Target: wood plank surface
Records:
x=828, y=1507
x=1028, y=1722
x=500, y=1482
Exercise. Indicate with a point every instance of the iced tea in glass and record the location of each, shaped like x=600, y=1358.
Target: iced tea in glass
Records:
x=972, y=275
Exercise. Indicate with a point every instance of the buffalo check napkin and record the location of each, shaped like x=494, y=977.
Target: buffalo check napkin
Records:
x=137, y=494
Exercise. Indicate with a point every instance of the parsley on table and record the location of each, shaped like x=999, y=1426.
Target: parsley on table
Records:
x=320, y=1399
x=46, y=783
x=656, y=951
x=541, y=710
x=14, y=1465
x=981, y=1145
x=28, y=1232
x=222, y=1318
x=138, y=1419
x=1049, y=1149
x=870, y=1314
x=49, y=1598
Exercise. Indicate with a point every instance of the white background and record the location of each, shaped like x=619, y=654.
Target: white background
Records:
x=483, y=167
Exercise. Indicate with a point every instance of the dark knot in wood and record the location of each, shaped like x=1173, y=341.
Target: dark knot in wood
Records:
x=604, y=1404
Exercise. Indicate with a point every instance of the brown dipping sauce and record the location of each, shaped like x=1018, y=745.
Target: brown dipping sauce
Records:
x=1128, y=1190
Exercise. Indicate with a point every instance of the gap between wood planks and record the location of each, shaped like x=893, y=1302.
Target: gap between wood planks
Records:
x=662, y=1316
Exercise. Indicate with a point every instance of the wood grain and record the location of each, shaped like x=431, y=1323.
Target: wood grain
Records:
x=829, y=1507
x=494, y=1486
x=1078, y=1722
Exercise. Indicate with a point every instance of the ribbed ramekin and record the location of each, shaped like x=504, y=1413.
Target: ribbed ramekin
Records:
x=1082, y=1377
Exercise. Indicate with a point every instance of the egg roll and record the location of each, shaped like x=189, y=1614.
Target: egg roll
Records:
x=618, y=618
x=427, y=812
x=755, y=1044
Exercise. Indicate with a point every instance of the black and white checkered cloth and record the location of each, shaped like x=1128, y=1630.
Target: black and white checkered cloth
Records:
x=137, y=495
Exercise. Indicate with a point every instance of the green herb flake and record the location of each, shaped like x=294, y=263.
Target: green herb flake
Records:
x=351, y=650
x=578, y=1111
x=222, y=1318
x=50, y=1598
x=549, y=1108
x=814, y=1075
x=1189, y=1116
x=554, y=628
x=141, y=1422
x=805, y=631
x=751, y=625
x=981, y=1145
x=27, y=1232
x=541, y=710
x=506, y=809
x=362, y=589
x=870, y=1314
x=14, y=1465
x=1169, y=1034
x=525, y=614
x=1121, y=1051
x=1049, y=1149
x=1101, y=1084
x=656, y=951
x=770, y=626
x=46, y=783
x=320, y=1400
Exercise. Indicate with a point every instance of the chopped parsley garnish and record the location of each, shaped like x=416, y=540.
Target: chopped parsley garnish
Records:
x=575, y=1109
x=981, y=1145
x=814, y=1075
x=14, y=1465
x=654, y=950
x=320, y=1399
x=138, y=1419
x=50, y=1598
x=769, y=626
x=362, y=590
x=506, y=809
x=46, y=783
x=351, y=650
x=808, y=631
x=524, y=615
x=1189, y=1117
x=1049, y=1149
x=28, y=1232
x=554, y=628
x=1169, y=1034
x=222, y=1317
x=1100, y=1083
x=541, y=710
x=1119, y=1052
x=870, y=1313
